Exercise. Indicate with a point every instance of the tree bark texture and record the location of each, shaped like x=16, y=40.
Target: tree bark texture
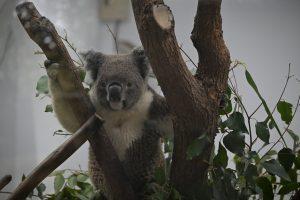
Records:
x=43, y=32
x=194, y=101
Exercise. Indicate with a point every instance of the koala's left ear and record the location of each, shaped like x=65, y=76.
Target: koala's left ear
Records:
x=141, y=60
x=93, y=61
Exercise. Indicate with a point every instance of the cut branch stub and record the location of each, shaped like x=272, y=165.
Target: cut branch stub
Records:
x=163, y=16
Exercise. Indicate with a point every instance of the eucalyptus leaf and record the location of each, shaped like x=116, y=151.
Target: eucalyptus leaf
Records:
x=273, y=167
x=82, y=178
x=41, y=188
x=59, y=181
x=265, y=185
x=285, y=110
x=160, y=175
x=72, y=181
x=197, y=147
x=221, y=159
x=42, y=85
x=251, y=173
x=49, y=108
x=293, y=135
x=285, y=189
x=236, y=122
x=286, y=158
x=262, y=131
x=235, y=142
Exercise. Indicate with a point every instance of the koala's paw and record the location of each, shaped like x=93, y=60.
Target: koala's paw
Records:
x=52, y=69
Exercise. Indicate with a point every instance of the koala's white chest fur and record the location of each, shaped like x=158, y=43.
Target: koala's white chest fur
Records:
x=125, y=126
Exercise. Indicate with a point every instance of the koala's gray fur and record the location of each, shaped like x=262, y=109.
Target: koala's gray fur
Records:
x=135, y=116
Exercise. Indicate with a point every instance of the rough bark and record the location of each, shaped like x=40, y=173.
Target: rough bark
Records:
x=43, y=32
x=194, y=101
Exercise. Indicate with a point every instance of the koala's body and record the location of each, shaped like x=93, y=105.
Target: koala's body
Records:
x=135, y=116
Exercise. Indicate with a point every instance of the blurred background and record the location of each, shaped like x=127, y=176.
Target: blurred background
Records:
x=264, y=34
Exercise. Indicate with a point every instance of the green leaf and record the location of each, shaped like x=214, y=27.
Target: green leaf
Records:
x=23, y=177
x=288, y=188
x=59, y=181
x=41, y=188
x=236, y=122
x=293, y=135
x=72, y=181
x=264, y=103
x=160, y=175
x=235, y=142
x=197, y=147
x=251, y=173
x=82, y=75
x=226, y=103
x=286, y=158
x=42, y=85
x=285, y=110
x=262, y=131
x=271, y=124
x=57, y=172
x=221, y=159
x=297, y=162
x=82, y=178
x=251, y=81
x=49, y=108
x=274, y=167
x=265, y=185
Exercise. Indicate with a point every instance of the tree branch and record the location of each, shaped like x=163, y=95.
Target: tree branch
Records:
x=43, y=32
x=55, y=159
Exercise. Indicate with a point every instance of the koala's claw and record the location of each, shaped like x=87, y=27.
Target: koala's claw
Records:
x=52, y=69
x=47, y=63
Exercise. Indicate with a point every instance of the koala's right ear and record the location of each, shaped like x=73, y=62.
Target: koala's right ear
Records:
x=93, y=61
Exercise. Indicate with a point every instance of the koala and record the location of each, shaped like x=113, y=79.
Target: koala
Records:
x=136, y=117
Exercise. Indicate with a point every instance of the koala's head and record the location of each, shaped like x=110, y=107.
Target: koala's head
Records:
x=117, y=81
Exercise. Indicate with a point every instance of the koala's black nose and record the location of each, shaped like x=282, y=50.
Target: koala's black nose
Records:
x=114, y=92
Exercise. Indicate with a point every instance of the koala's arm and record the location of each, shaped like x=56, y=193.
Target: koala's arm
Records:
x=61, y=91
x=160, y=113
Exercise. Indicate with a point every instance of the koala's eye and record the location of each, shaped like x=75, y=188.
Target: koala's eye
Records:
x=129, y=85
x=103, y=84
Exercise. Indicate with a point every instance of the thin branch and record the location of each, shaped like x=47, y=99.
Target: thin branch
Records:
x=255, y=110
x=55, y=159
x=298, y=101
x=190, y=59
x=114, y=35
x=65, y=39
x=284, y=88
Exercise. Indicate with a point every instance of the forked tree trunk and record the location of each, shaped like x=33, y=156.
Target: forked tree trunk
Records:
x=194, y=101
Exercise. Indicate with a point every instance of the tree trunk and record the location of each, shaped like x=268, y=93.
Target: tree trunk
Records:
x=194, y=101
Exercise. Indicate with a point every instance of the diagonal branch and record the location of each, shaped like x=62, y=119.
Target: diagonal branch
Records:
x=43, y=32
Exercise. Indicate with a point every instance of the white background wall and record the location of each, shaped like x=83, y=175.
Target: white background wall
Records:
x=262, y=33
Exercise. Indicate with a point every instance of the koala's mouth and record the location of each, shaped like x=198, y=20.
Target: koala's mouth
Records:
x=119, y=105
